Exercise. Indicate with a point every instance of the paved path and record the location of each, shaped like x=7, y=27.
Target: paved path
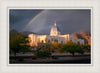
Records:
x=66, y=59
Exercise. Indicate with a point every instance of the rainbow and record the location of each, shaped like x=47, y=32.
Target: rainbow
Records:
x=34, y=18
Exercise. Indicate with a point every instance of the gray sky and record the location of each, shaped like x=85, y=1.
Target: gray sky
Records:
x=68, y=21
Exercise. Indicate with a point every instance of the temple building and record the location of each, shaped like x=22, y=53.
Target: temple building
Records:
x=55, y=36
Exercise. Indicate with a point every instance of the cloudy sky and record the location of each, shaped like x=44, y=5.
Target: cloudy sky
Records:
x=41, y=21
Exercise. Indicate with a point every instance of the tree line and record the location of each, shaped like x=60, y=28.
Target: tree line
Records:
x=19, y=43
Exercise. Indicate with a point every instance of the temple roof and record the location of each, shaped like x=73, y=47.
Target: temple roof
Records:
x=55, y=27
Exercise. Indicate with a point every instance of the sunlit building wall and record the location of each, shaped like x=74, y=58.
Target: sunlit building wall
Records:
x=54, y=36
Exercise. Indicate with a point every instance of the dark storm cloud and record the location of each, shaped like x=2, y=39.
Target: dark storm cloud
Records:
x=20, y=17
x=68, y=21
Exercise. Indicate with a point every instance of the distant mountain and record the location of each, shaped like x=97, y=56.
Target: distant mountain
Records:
x=83, y=35
x=13, y=31
x=26, y=33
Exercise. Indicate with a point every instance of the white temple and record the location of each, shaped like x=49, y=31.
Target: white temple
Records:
x=54, y=36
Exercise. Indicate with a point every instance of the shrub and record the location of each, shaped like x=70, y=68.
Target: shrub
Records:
x=55, y=45
x=86, y=47
x=43, y=54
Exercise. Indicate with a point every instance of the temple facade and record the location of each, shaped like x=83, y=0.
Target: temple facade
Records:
x=55, y=36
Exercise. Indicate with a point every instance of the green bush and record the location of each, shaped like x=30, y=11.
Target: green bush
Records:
x=43, y=54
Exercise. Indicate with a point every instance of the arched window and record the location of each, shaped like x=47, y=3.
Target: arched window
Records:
x=56, y=40
x=61, y=42
x=48, y=41
x=71, y=39
x=78, y=42
x=42, y=41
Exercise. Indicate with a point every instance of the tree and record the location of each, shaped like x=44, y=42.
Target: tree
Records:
x=45, y=46
x=55, y=45
x=71, y=48
x=18, y=43
x=48, y=47
x=75, y=48
x=24, y=48
x=63, y=48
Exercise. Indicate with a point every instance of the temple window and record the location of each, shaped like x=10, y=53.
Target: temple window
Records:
x=61, y=42
x=78, y=42
x=42, y=41
x=56, y=40
x=48, y=41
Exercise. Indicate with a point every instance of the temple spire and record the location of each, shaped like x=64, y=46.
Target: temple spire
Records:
x=55, y=23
